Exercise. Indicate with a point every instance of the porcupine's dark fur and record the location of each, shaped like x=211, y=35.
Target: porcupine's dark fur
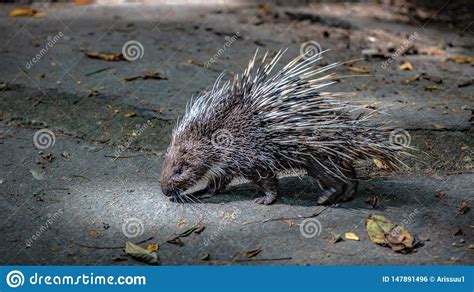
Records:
x=261, y=125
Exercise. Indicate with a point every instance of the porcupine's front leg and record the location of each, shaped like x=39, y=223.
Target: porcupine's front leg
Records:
x=214, y=187
x=334, y=189
x=269, y=185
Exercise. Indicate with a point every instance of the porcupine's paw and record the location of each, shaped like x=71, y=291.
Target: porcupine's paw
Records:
x=334, y=195
x=266, y=200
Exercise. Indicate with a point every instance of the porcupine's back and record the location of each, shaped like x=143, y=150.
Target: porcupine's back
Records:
x=284, y=120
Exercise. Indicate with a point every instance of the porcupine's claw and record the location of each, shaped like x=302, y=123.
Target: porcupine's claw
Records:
x=269, y=186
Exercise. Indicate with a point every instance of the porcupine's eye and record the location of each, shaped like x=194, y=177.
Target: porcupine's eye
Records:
x=178, y=170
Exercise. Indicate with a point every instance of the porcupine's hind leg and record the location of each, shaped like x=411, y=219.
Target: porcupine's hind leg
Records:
x=334, y=189
x=269, y=186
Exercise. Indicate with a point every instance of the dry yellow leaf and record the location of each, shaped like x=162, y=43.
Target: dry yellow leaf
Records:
x=130, y=114
x=406, y=66
x=362, y=69
x=25, y=11
x=105, y=56
x=432, y=88
x=153, y=247
x=351, y=236
x=461, y=60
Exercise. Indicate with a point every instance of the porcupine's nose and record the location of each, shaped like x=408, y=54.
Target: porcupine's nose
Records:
x=166, y=189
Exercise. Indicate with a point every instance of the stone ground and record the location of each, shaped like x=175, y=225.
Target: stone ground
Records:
x=69, y=203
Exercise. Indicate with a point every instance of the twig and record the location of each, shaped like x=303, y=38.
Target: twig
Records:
x=263, y=260
x=289, y=218
x=98, y=71
x=107, y=247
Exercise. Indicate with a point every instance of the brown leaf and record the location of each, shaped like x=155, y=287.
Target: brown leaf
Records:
x=48, y=157
x=440, y=195
x=406, y=66
x=253, y=253
x=147, y=75
x=82, y=2
x=141, y=254
x=175, y=240
x=382, y=231
x=373, y=201
x=464, y=207
x=26, y=11
x=106, y=56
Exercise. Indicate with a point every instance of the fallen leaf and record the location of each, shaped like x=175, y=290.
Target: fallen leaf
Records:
x=253, y=253
x=48, y=157
x=205, y=257
x=200, y=229
x=382, y=231
x=152, y=247
x=130, y=114
x=372, y=105
x=458, y=232
x=336, y=238
x=94, y=233
x=361, y=69
x=65, y=154
x=373, y=201
x=147, y=75
x=26, y=11
x=82, y=2
x=434, y=51
x=264, y=9
x=464, y=207
x=471, y=246
x=189, y=231
x=141, y=254
x=290, y=223
x=106, y=56
x=440, y=195
x=351, y=236
x=432, y=88
x=406, y=66
x=460, y=60
x=439, y=126
x=175, y=240
x=414, y=78
x=181, y=223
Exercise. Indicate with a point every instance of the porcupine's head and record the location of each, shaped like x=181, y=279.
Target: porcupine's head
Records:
x=185, y=164
x=192, y=155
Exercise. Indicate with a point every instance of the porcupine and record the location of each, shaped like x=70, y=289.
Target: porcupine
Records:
x=261, y=125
